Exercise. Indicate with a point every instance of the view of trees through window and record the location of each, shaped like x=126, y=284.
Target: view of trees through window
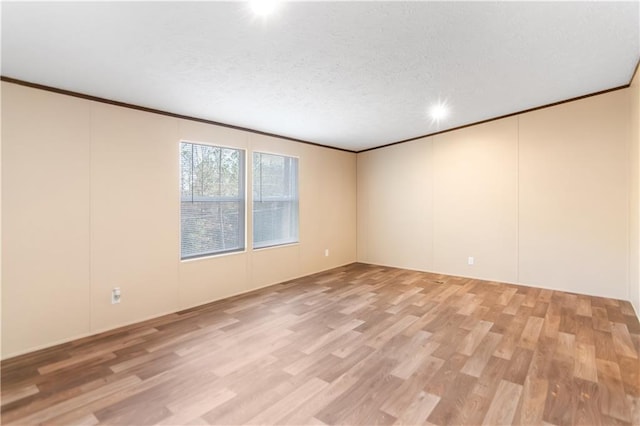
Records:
x=212, y=199
x=275, y=200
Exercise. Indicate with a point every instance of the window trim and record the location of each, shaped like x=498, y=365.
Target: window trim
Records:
x=285, y=243
x=296, y=243
x=243, y=173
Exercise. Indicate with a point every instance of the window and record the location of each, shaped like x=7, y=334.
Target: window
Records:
x=212, y=200
x=275, y=200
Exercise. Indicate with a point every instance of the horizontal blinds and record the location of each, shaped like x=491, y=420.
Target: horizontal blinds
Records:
x=212, y=200
x=275, y=200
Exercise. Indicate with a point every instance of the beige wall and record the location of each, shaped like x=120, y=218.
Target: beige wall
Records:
x=573, y=196
x=390, y=233
x=634, y=222
x=90, y=201
x=539, y=199
x=46, y=187
x=475, y=190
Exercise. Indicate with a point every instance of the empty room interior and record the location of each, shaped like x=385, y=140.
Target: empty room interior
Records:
x=320, y=213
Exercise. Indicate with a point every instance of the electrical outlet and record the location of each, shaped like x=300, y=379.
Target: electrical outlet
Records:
x=115, y=295
x=470, y=261
x=326, y=252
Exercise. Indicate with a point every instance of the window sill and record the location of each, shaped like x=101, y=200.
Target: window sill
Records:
x=296, y=243
x=213, y=256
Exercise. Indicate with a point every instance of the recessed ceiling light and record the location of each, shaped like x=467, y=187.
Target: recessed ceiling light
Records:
x=439, y=111
x=263, y=8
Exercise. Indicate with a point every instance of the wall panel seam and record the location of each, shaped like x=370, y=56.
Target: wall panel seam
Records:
x=518, y=198
x=91, y=140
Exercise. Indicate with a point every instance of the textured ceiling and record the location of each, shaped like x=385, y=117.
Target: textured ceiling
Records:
x=353, y=75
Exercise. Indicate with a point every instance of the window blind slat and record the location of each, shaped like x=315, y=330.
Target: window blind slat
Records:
x=275, y=200
x=212, y=200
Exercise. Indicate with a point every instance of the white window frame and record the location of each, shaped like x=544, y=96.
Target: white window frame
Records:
x=295, y=200
x=241, y=199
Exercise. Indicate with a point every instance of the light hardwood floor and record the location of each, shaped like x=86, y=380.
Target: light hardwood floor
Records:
x=359, y=344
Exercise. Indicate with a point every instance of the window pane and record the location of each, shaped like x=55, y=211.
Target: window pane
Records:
x=212, y=200
x=186, y=183
x=211, y=227
x=275, y=200
x=230, y=173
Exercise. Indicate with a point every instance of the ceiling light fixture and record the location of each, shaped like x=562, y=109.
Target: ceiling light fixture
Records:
x=263, y=8
x=438, y=112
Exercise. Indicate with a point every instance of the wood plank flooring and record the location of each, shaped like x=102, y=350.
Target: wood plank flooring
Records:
x=359, y=344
